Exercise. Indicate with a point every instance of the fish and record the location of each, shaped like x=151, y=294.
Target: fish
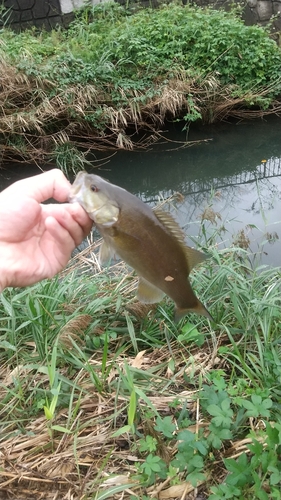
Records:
x=149, y=240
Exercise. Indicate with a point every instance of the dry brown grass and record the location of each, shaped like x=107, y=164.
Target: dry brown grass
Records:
x=37, y=120
x=38, y=462
x=37, y=465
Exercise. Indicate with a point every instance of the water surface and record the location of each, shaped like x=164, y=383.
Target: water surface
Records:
x=236, y=172
x=234, y=168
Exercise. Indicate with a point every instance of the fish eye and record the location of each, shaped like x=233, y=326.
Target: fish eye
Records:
x=94, y=188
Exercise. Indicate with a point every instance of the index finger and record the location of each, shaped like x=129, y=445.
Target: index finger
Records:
x=42, y=187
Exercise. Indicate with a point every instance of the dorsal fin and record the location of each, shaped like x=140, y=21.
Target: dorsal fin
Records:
x=193, y=256
x=170, y=224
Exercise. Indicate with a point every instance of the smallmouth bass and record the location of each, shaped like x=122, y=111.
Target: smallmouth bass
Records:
x=149, y=241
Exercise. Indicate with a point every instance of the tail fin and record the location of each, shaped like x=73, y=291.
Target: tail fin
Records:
x=198, y=309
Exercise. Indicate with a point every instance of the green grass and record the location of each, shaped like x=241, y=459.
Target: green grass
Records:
x=106, y=396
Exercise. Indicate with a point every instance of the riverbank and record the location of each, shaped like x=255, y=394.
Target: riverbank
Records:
x=114, y=77
x=102, y=396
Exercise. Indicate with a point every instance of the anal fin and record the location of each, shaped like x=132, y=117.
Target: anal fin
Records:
x=148, y=293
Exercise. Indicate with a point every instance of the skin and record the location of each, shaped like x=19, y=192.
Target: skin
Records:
x=36, y=240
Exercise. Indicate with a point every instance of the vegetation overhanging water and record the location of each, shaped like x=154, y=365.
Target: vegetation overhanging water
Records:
x=114, y=72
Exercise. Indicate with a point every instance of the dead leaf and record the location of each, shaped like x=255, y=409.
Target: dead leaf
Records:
x=139, y=360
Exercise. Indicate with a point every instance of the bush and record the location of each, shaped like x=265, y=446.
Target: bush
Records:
x=113, y=70
x=107, y=43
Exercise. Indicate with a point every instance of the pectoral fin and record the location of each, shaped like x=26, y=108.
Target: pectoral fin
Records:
x=106, y=253
x=148, y=293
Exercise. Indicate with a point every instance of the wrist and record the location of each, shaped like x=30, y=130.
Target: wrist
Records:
x=2, y=286
x=4, y=269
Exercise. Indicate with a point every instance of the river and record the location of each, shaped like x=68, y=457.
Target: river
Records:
x=234, y=169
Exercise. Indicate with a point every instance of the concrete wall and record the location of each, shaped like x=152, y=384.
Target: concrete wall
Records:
x=254, y=11
x=49, y=13
x=70, y=5
x=22, y=14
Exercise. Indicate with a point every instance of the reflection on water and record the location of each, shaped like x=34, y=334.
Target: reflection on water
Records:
x=237, y=170
x=250, y=200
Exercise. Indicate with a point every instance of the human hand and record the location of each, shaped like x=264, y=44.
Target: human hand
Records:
x=36, y=240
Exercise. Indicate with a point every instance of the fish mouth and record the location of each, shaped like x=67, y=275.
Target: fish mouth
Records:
x=77, y=199
x=72, y=198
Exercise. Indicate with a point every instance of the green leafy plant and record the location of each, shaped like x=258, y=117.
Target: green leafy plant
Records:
x=257, y=475
x=153, y=465
x=257, y=406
